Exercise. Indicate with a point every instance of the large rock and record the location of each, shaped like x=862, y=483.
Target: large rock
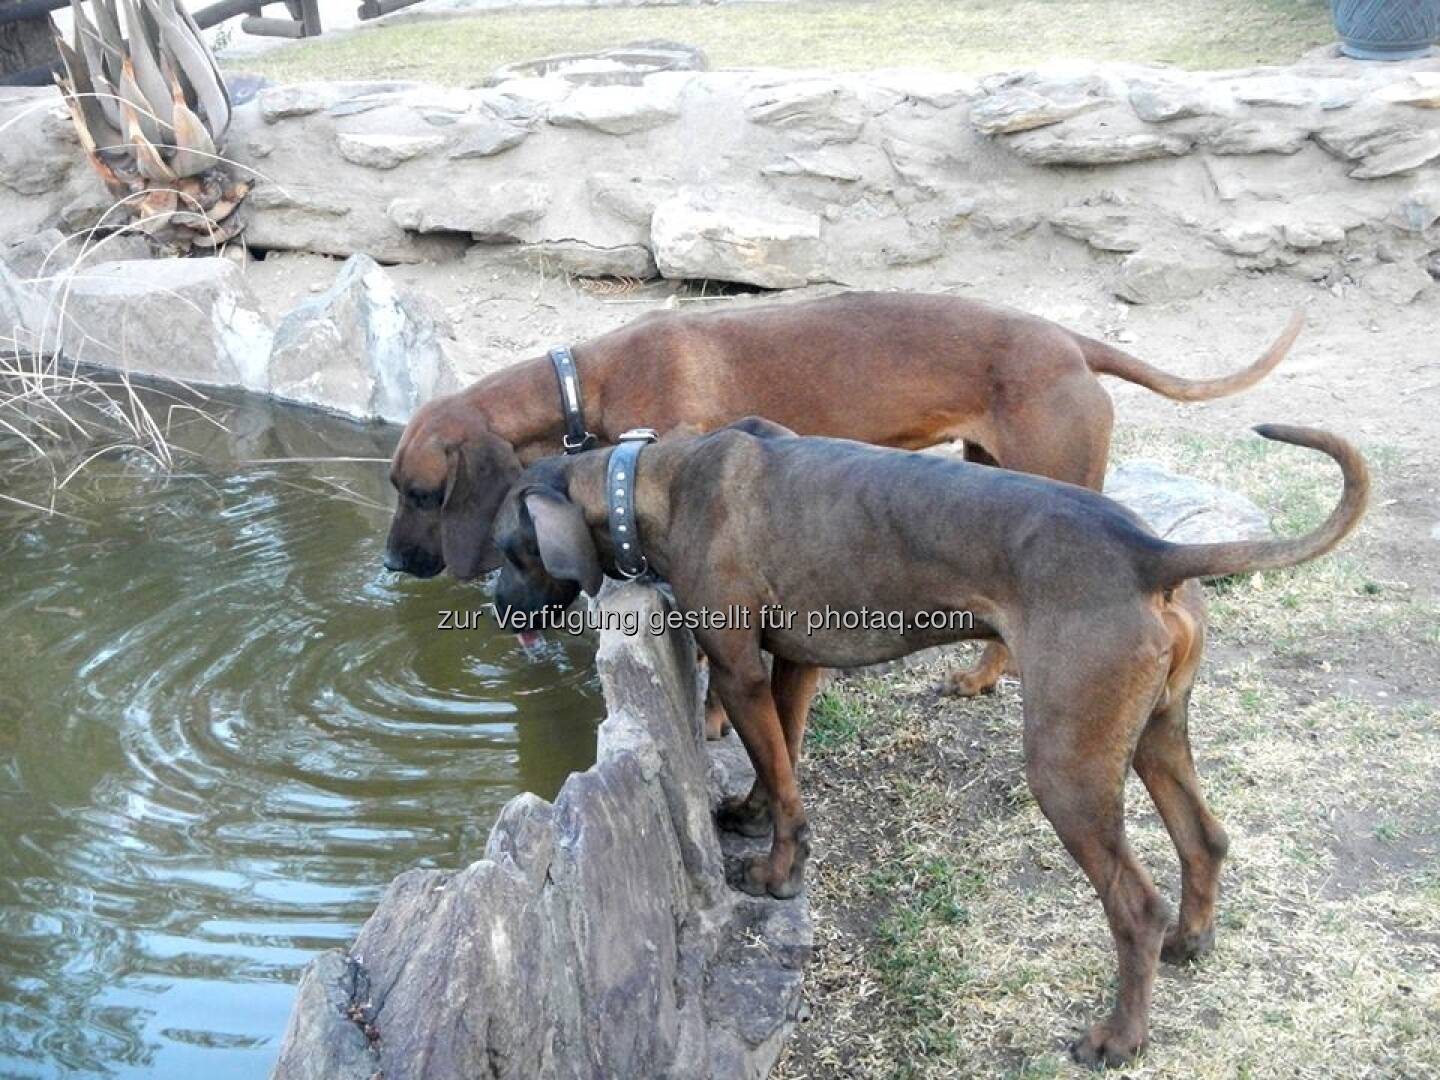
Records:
x=1168, y=270
x=618, y=110
x=1182, y=509
x=35, y=157
x=1403, y=157
x=385, y=151
x=1098, y=139
x=596, y=938
x=816, y=110
x=579, y=259
x=629, y=196
x=1256, y=137
x=484, y=136
x=1019, y=108
x=1105, y=226
x=189, y=319
x=22, y=317
x=1158, y=100
x=502, y=212
x=278, y=103
x=1400, y=283
x=1420, y=88
x=325, y=1038
x=363, y=348
x=773, y=246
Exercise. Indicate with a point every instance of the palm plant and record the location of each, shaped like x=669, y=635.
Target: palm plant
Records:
x=151, y=110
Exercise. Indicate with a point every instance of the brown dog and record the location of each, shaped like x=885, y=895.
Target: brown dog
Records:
x=780, y=524
x=907, y=371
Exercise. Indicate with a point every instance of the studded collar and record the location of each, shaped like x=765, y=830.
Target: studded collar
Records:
x=620, y=478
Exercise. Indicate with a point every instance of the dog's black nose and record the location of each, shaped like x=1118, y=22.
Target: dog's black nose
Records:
x=393, y=561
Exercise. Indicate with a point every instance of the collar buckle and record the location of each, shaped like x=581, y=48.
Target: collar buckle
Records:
x=576, y=439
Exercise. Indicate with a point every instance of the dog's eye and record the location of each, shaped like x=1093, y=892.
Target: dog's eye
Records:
x=425, y=500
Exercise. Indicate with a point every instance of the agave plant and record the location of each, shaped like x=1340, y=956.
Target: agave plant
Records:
x=151, y=110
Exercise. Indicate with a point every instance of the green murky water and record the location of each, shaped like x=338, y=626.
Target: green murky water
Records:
x=223, y=727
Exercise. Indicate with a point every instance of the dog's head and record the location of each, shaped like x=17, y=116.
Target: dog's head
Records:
x=548, y=553
x=450, y=473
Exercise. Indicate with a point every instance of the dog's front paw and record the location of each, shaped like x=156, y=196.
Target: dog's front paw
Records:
x=1104, y=1048
x=1182, y=948
x=744, y=816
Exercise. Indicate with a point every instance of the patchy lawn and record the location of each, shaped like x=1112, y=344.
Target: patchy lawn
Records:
x=957, y=938
x=975, y=36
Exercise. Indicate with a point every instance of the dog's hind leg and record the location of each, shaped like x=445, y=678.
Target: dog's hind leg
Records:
x=1164, y=762
x=1062, y=433
x=794, y=686
x=1083, y=714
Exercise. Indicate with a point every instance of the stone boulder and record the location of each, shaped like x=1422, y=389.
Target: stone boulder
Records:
x=385, y=151
x=816, y=110
x=1400, y=283
x=577, y=258
x=49, y=253
x=1161, y=271
x=596, y=938
x=1182, y=509
x=502, y=212
x=774, y=246
x=363, y=347
x=1159, y=100
x=1019, y=108
x=618, y=110
x=22, y=317
x=190, y=319
x=1098, y=139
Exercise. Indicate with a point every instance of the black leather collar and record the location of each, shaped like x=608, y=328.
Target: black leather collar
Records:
x=620, y=502
x=576, y=439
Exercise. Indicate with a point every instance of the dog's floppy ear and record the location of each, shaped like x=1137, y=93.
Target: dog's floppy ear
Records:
x=481, y=472
x=760, y=427
x=566, y=547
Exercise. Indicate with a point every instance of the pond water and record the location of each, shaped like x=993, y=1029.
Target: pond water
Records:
x=223, y=728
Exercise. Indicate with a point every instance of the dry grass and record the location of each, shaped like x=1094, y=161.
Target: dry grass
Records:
x=60, y=415
x=956, y=937
x=976, y=36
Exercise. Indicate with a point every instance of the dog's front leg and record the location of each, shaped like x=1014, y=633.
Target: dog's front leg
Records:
x=745, y=693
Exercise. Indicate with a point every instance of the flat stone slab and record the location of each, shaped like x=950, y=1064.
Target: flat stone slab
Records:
x=1182, y=509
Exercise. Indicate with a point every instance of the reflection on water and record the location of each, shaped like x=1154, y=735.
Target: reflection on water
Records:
x=223, y=727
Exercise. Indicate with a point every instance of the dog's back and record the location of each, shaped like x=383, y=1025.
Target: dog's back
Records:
x=840, y=523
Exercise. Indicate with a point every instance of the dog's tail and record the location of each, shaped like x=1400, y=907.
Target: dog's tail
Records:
x=1105, y=359
x=1174, y=563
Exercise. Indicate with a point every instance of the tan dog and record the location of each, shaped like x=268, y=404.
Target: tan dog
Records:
x=893, y=369
x=1105, y=619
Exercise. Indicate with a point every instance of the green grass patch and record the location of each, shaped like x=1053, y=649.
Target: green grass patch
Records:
x=976, y=36
x=836, y=719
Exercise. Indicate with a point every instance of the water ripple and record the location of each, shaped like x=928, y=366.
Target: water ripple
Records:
x=224, y=727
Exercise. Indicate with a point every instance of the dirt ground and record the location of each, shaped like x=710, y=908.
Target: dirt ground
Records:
x=955, y=936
